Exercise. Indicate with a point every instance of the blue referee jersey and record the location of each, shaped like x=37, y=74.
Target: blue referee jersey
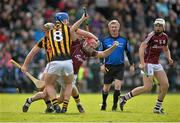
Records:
x=117, y=56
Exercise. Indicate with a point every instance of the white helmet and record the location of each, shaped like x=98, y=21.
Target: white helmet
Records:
x=48, y=26
x=160, y=21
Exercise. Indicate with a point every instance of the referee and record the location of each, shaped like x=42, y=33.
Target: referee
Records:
x=113, y=67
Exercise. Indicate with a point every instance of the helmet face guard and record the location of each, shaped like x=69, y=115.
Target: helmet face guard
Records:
x=61, y=16
x=48, y=26
x=89, y=45
x=160, y=21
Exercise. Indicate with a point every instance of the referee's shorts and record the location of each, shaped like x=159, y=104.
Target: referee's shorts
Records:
x=113, y=72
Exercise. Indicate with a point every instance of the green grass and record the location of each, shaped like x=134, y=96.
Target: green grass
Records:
x=139, y=109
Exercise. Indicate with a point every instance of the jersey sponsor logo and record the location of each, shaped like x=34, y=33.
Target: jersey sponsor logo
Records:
x=161, y=42
x=78, y=57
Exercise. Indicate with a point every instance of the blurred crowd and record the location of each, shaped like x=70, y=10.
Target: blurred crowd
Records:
x=21, y=24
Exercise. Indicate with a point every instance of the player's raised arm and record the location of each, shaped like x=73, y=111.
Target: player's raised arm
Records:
x=75, y=27
x=107, y=52
x=36, y=48
x=86, y=34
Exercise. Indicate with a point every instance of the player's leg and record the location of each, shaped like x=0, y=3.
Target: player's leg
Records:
x=147, y=81
x=164, y=85
x=60, y=98
x=117, y=88
x=137, y=91
x=75, y=95
x=68, y=78
x=50, y=76
x=50, y=82
x=147, y=86
x=54, y=71
x=37, y=96
x=62, y=90
x=47, y=101
x=50, y=107
x=67, y=92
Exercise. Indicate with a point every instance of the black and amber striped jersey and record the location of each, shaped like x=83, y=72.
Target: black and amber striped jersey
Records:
x=57, y=43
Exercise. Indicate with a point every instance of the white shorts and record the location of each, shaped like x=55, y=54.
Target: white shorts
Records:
x=151, y=68
x=62, y=83
x=59, y=68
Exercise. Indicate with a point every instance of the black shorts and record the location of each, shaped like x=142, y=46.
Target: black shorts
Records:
x=114, y=72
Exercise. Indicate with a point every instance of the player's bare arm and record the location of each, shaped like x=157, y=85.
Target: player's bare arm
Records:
x=86, y=34
x=75, y=26
x=141, y=54
x=46, y=27
x=107, y=52
x=168, y=54
x=29, y=57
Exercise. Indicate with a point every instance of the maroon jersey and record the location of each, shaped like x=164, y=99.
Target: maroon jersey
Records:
x=79, y=55
x=155, y=45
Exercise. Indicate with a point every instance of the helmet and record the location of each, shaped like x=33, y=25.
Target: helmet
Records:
x=160, y=21
x=48, y=26
x=61, y=16
x=90, y=42
x=89, y=45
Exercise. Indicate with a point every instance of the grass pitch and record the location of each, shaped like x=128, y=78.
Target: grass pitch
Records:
x=139, y=109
